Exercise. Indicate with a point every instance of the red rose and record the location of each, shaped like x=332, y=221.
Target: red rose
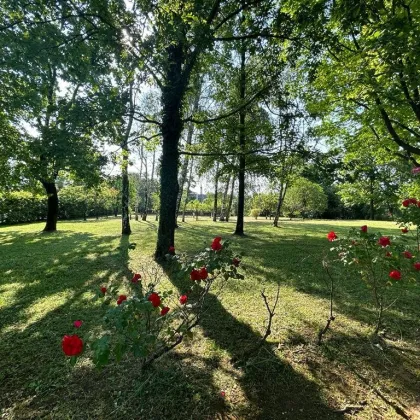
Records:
x=418, y=203
x=183, y=299
x=195, y=275
x=78, y=323
x=404, y=230
x=416, y=266
x=103, y=290
x=413, y=201
x=121, y=299
x=408, y=254
x=223, y=394
x=203, y=273
x=388, y=254
x=136, y=278
x=172, y=250
x=395, y=274
x=415, y=171
x=236, y=262
x=164, y=311
x=406, y=202
x=216, y=245
x=384, y=241
x=154, y=298
x=364, y=228
x=331, y=236
x=72, y=345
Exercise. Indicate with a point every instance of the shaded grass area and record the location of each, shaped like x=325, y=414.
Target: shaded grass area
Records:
x=48, y=280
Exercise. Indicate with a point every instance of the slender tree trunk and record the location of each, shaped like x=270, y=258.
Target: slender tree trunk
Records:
x=216, y=192
x=283, y=188
x=138, y=189
x=242, y=140
x=125, y=193
x=229, y=207
x=171, y=127
x=52, y=206
x=371, y=203
x=126, y=229
x=184, y=169
x=188, y=189
x=222, y=217
x=147, y=193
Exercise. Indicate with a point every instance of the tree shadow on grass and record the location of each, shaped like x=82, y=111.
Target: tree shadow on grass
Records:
x=274, y=390
x=51, y=280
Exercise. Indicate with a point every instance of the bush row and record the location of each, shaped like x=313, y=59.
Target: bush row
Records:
x=75, y=202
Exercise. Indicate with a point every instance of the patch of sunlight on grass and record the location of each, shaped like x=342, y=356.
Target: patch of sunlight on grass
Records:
x=41, y=307
x=8, y=292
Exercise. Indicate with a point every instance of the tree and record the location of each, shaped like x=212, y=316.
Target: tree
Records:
x=52, y=103
x=305, y=198
x=367, y=76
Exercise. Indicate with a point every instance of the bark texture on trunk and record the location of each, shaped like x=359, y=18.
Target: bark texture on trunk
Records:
x=125, y=189
x=172, y=94
x=126, y=229
x=52, y=206
x=242, y=140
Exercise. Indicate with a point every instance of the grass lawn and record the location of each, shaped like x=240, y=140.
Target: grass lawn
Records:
x=47, y=281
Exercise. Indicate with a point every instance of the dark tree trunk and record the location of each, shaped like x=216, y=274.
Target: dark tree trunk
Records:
x=126, y=229
x=372, y=209
x=216, y=192
x=371, y=202
x=282, y=193
x=171, y=127
x=242, y=139
x=52, y=206
x=229, y=207
x=125, y=187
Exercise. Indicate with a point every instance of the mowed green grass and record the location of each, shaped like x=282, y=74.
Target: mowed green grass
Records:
x=48, y=280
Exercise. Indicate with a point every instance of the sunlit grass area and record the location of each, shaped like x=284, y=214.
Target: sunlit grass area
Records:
x=48, y=280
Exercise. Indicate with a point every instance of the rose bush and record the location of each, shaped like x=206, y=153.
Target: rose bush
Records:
x=383, y=262
x=147, y=322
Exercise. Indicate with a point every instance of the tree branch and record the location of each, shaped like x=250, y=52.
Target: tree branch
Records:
x=228, y=114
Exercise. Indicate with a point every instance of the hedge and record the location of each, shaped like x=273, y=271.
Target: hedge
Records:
x=75, y=202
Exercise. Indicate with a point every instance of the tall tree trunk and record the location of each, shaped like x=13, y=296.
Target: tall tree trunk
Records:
x=173, y=93
x=125, y=194
x=125, y=191
x=371, y=202
x=282, y=193
x=216, y=192
x=242, y=139
x=222, y=217
x=188, y=189
x=147, y=193
x=184, y=168
x=138, y=189
x=229, y=207
x=52, y=206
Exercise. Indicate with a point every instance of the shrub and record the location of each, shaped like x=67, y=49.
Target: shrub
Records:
x=22, y=206
x=255, y=213
x=149, y=321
